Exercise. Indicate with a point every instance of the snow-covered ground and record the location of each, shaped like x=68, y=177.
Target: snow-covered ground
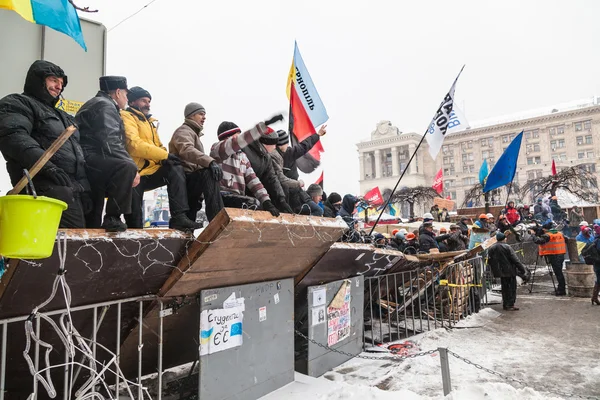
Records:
x=551, y=344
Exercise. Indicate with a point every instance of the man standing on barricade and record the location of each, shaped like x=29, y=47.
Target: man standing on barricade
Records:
x=156, y=165
x=110, y=169
x=552, y=245
x=505, y=265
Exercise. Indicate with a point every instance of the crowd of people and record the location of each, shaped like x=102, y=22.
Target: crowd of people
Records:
x=116, y=155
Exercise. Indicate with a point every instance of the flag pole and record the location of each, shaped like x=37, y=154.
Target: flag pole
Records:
x=387, y=203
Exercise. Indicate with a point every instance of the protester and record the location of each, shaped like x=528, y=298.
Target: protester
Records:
x=584, y=237
x=346, y=212
x=491, y=221
x=505, y=265
x=412, y=244
x=456, y=240
x=202, y=172
x=444, y=215
x=596, y=289
x=379, y=241
x=557, y=213
x=435, y=212
x=526, y=213
x=462, y=225
x=29, y=124
x=291, y=154
x=156, y=165
x=552, y=246
x=576, y=217
x=512, y=214
x=539, y=212
x=332, y=205
x=110, y=169
x=503, y=224
x=262, y=164
x=237, y=170
x=428, y=240
x=482, y=222
x=398, y=241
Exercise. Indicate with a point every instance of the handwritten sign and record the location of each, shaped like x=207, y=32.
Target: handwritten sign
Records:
x=338, y=317
x=220, y=329
x=444, y=203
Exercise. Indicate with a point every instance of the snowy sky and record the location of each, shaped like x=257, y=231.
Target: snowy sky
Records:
x=370, y=61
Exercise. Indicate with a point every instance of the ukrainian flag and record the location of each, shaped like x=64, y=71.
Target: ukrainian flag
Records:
x=59, y=15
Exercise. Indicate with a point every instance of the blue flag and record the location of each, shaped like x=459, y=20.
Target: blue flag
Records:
x=504, y=170
x=483, y=172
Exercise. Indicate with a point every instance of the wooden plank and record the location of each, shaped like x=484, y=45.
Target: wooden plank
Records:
x=46, y=156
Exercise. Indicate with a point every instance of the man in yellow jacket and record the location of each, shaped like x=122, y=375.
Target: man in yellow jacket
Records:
x=156, y=166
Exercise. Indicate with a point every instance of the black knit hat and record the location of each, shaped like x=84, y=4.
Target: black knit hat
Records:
x=284, y=138
x=270, y=138
x=227, y=129
x=108, y=83
x=334, y=198
x=137, y=92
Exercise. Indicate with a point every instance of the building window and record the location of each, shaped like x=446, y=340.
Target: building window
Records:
x=588, y=139
x=469, y=181
x=590, y=154
x=588, y=167
x=581, y=154
x=449, y=171
x=453, y=195
x=448, y=160
x=560, y=130
x=491, y=162
x=467, y=157
x=532, y=134
x=552, y=131
x=487, y=142
x=559, y=157
x=448, y=150
x=579, y=140
x=532, y=147
x=468, y=168
x=587, y=125
x=578, y=126
x=557, y=144
x=533, y=160
x=508, y=138
x=534, y=174
x=449, y=183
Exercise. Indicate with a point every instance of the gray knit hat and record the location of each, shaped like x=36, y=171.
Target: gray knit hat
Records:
x=314, y=190
x=270, y=138
x=284, y=138
x=192, y=109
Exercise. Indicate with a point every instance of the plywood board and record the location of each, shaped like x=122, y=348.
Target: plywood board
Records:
x=100, y=267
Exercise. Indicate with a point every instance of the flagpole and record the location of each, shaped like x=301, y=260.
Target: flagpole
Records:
x=387, y=203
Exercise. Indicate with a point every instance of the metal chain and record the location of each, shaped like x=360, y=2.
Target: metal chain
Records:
x=393, y=358
x=510, y=379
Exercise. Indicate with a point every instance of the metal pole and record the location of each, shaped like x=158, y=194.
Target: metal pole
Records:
x=412, y=301
x=118, y=350
x=387, y=295
x=3, y=365
x=397, y=305
x=419, y=298
x=160, y=349
x=140, y=344
x=433, y=278
x=445, y=370
x=380, y=316
x=404, y=306
x=371, y=309
x=427, y=299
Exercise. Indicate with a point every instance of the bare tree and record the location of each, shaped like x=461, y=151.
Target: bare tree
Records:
x=494, y=197
x=414, y=195
x=577, y=180
x=82, y=9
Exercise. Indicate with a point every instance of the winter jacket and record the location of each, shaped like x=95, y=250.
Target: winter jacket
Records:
x=186, y=144
x=29, y=124
x=557, y=213
x=576, y=218
x=101, y=128
x=142, y=141
x=285, y=181
x=538, y=211
x=582, y=240
x=464, y=228
x=512, y=215
x=237, y=170
x=329, y=210
x=348, y=203
x=502, y=226
x=457, y=241
x=428, y=240
x=290, y=169
x=262, y=164
x=504, y=262
x=411, y=247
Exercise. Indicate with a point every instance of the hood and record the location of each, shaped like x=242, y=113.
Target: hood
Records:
x=35, y=82
x=348, y=203
x=258, y=148
x=194, y=126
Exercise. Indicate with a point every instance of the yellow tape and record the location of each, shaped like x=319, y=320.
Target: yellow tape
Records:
x=444, y=282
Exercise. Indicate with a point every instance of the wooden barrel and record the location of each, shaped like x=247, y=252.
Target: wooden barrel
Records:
x=580, y=279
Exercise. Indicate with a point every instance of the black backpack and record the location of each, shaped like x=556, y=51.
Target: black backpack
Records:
x=590, y=253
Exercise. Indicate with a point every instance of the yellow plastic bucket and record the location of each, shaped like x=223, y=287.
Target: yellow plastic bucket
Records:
x=28, y=225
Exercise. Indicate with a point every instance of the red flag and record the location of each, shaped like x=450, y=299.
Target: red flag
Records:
x=374, y=197
x=448, y=197
x=553, y=168
x=438, y=182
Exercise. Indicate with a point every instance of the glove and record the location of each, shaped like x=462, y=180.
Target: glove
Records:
x=268, y=206
x=86, y=202
x=217, y=172
x=171, y=159
x=285, y=207
x=56, y=175
x=273, y=119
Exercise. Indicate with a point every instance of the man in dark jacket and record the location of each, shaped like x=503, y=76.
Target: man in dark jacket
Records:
x=292, y=153
x=506, y=265
x=110, y=169
x=552, y=245
x=29, y=124
x=457, y=241
x=346, y=212
x=202, y=172
x=427, y=239
x=462, y=225
x=262, y=164
x=332, y=205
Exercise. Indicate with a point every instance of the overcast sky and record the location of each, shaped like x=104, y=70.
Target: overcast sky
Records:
x=370, y=60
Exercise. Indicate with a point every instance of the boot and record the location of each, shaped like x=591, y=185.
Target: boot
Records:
x=595, y=294
x=182, y=223
x=113, y=224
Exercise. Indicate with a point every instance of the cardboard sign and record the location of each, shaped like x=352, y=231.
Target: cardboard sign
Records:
x=220, y=329
x=444, y=203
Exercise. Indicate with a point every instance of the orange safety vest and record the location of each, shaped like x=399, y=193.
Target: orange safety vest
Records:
x=556, y=245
